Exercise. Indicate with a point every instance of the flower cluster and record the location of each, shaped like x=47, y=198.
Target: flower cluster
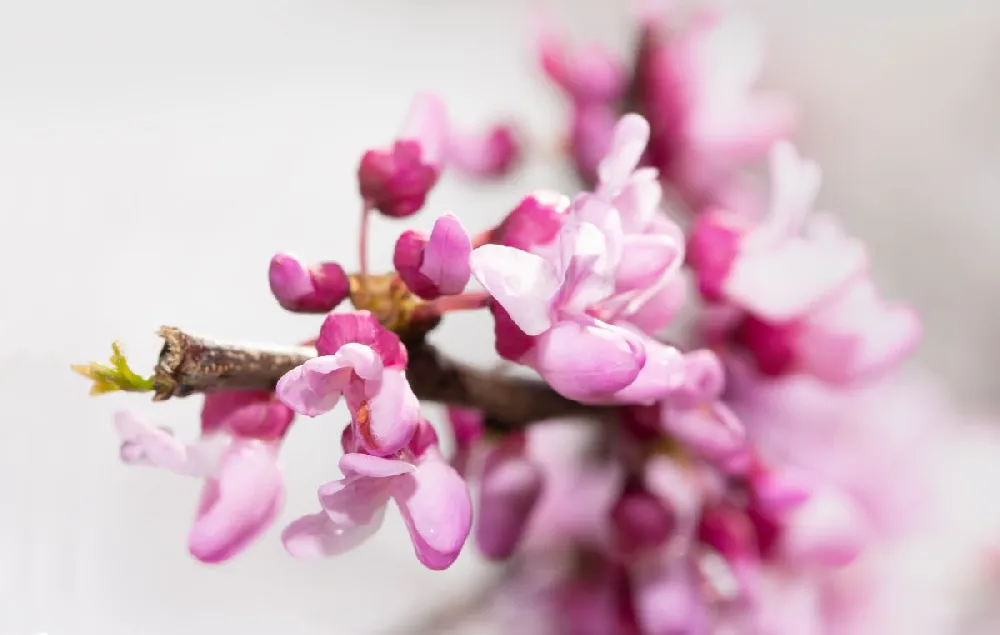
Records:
x=704, y=483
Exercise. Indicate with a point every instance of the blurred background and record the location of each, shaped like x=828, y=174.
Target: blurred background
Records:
x=153, y=156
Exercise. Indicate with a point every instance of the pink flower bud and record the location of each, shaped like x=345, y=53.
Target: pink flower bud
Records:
x=511, y=486
x=396, y=182
x=492, y=154
x=711, y=250
x=305, y=288
x=534, y=222
x=641, y=521
x=438, y=265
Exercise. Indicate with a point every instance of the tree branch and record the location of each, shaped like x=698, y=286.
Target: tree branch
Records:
x=189, y=364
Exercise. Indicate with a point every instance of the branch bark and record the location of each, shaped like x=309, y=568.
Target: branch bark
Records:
x=189, y=364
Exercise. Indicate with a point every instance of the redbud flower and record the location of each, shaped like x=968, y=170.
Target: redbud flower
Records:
x=237, y=457
x=305, y=288
x=491, y=154
x=431, y=496
x=587, y=75
x=364, y=363
x=510, y=486
x=436, y=265
x=397, y=180
x=534, y=223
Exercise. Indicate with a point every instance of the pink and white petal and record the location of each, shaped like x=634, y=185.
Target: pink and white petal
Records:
x=427, y=124
x=662, y=374
x=587, y=360
x=316, y=536
x=646, y=258
x=239, y=504
x=639, y=201
x=593, y=230
x=522, y=283
x=629, y=142
x=361, y=327
x=668, y=599
x=387, y=421
x=356, y=464
x=354, y=500
x=437, y=511
x=786, y=283
x=828, y=530
x=314, y=387
x=446, y=257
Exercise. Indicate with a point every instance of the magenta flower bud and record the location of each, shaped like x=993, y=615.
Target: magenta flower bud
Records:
x=536, y=221
x=711, y=250
x=511, y=342
x=727, y=531
x=305, y=288
x=438, y=265
x=641, y=521
x=492, y=154
x=510, y=488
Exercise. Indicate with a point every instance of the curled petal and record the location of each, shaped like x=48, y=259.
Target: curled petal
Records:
x=357, y=499
x=239, y=504
x=629, y=142
x=523, y=284
x=510, y=487
x=437, y=510
x=143, y=444
x=535, y=222
x=386, y=422
x=316, y=536
x=305, y=288
x=316, y=386
x=639, y=200
x=446, y=257
x=361, y=327
x=427, y=124
x=587, y=360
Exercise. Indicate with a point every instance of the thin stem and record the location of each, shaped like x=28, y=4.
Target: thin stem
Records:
x=460, y=302
x=366, y=212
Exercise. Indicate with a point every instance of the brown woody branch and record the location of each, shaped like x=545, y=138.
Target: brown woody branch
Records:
x=189, y=365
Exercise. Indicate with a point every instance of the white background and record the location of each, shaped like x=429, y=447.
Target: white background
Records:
x=153, y=155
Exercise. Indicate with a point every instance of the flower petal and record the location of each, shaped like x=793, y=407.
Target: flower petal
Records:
x=238, y=505
x=437, y=510
x=446, y=257
x=252, y=414
x=510, y=486
x=629, y=142
x=662, y=374
x=354, y=499
x=316, y=536
x=523, y=284
x=361, y=327
x=826, y=530
x=314, y=387
x=667, y=598
x=385, y=422
x=646, y=258
x=427, y=124
x=143, y=444
x=711, y=430
x=587, y=360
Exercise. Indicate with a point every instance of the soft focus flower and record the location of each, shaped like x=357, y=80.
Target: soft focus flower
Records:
x=510, y=486
x=491, y=154
x=364, y=363
x=396, y=181
x=436, y=265
x=305, y=288
x=237, y=456
x=431, y=496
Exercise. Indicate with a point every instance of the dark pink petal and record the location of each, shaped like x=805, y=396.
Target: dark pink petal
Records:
x=590, y=137
x=466, y=424
x=361, y=327
x=489, y=154
x=407, y=257
x=424, y=441
x=536, y=221
x=587, y=75
x=317, y=536
x=587, y=360
x=386, y=422
x=250, y=414
x=511, y=342
x=445, y=260
x=641, y=521
x=712, y=249
x=437, y=510
x=396, y=181
x=302, y=288
x=510, y=486
x=239, y=504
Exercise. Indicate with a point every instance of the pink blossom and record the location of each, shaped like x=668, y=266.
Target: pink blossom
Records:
x=305, y=288
x=587, y=74
x=510, y=486
x=364, y=363
x=431, y=496
x=436, y=265
x=667, y=597
x=534, y=223
x=237, y=456
x=490, y=154
x=397, y=180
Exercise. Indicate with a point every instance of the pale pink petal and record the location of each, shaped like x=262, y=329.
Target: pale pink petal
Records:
x=356, y=464
x=795, y=182
x=316, y=536
x=239, y=504
x=639, y=200
x=386, y=422
x=646, y=258
x=524, y=284
x=427, y=124
x=314, y=387
x=654, y=311
x=827, y=530
x=355, y=500
x=593, y=230
x=662, y=374
x=446, y=257
x=510, y=486
x=587, y=360
x=587, y=75
x=143, y=444
x=748, y=129
x=667, y=598
x=361, y=327
x=780, y=490
x=711, y=430
x=488, y=154
x=437, y=510
x=629, y=142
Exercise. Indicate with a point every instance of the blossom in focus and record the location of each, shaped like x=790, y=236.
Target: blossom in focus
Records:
x=237, y=455
x=306, y=288
x=396, y=180
x=430, y=494
x=365, y=364
x=435, y=265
